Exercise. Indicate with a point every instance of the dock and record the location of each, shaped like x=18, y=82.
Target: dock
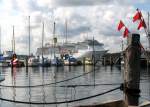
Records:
x=116, y=58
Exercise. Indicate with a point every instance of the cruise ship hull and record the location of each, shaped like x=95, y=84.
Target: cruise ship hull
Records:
x=89, y=54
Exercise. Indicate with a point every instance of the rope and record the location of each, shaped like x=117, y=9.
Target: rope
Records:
x=60, y=102
x=82, y=85
x=15, y=86
x=88, y=85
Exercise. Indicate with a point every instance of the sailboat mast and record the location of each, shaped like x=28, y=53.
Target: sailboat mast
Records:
x=66, y=30
x=54, y=38
x=29, y=34
x=13, y=41
x=42, y=41
x=54, y=30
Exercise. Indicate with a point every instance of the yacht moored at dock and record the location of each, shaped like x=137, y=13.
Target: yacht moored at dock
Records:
x=33, y=62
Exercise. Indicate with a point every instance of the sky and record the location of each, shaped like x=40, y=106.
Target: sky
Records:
x=85, y=19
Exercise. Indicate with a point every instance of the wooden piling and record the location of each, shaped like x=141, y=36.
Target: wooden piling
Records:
x=110, y=60
x=104, y=61
x=132, y=70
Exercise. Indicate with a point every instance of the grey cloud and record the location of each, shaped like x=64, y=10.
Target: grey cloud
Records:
x=80, y=2
x=88, y=2
x=81, y=25
x=23, y=39
x=79, y=30
x=108, y=31
x=73, y=31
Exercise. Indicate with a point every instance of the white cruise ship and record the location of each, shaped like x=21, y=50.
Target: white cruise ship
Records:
x=86, y=49
x=49, y=50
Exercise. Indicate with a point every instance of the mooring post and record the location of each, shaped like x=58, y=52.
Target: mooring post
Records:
x=132, y=70
x=110, y=60
x=26, y=61
x=104, y=61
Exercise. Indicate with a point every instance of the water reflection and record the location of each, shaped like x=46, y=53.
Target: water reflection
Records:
x=54, y=93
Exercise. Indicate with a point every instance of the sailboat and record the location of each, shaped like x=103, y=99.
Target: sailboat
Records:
x=56, y=61
x=15, y=61
x=3, y=62
x=32, y=60
x=44, y=62
x=68, y=58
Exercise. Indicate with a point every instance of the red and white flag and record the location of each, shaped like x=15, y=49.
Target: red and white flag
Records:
x=141, y=24
x=126, y=32
x=120, y=25
x=137, y=16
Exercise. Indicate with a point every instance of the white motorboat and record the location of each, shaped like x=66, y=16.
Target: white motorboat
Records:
x=33, y=62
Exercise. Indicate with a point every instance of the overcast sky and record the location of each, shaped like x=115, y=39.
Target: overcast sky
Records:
x=86, y=18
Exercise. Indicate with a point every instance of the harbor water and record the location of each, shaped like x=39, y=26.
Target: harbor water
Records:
x=67, y=83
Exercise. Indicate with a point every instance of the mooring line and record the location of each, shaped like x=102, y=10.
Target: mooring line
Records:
x=15, y=86
x=60, y=102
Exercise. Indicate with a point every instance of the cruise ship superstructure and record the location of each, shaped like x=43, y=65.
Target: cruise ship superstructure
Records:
x=85, y=49
x=89, y=49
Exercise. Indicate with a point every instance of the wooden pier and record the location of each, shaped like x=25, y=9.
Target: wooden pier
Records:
x=116, y=58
